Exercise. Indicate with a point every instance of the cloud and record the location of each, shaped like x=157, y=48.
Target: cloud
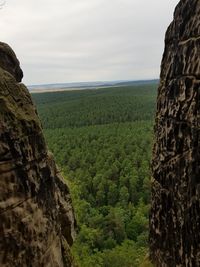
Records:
x=86, y=40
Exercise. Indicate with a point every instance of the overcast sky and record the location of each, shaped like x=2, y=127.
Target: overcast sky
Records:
x=86, y=40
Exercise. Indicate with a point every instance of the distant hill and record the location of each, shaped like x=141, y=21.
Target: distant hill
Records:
x=86, y=85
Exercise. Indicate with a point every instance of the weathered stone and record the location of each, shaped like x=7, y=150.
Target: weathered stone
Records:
x=9, y=61
x=175, y=210
x=36, y=215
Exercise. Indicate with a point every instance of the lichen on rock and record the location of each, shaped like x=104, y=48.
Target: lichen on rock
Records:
x=36, y=213
x=175, y=209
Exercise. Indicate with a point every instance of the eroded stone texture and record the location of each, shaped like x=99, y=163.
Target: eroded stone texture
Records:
x=36, y=215
x=175, y=211
x=9, y=61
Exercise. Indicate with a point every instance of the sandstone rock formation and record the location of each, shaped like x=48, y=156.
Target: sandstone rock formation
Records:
x=36, y=215
x=9, y=61
x=175, y=212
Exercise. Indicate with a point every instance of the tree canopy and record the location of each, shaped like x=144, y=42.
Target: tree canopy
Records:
x=102, y=143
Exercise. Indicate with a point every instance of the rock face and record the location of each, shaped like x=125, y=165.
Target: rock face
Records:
x=9, y=61
x=175, y=212
x=36, y=214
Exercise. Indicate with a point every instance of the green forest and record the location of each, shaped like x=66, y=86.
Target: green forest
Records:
x=102, y=142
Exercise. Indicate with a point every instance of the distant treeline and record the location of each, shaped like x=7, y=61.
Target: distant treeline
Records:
x=94, y=107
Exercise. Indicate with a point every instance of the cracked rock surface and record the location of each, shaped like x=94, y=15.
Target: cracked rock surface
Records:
x=175, y=211
x=36, y=215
